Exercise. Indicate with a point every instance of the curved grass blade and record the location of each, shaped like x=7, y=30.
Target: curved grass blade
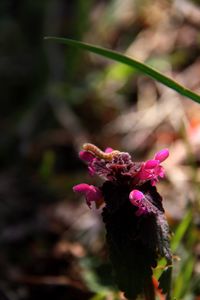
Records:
x=181, y=230
x=132, y=63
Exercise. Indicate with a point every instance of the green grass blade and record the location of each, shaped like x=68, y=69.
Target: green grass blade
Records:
x=183, y=279
x=132, y=63
x=180, y=231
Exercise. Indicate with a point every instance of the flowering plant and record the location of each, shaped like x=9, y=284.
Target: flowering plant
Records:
x=137, y=230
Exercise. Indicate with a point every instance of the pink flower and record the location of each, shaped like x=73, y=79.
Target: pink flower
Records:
x=119, y=168
x=143, y=202
x=137, y=198
x=162, y=155
x=91, y=192
x=151, y=164
x=151, y=169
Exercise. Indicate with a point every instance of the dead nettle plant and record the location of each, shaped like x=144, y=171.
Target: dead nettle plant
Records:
x=136, y=226
x=137, y=230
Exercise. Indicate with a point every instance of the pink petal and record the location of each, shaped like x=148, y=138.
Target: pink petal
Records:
x=145, y=174
x=161, y=172
x=162, y=155
x=137, y=198
x=91, y=192
x=151, y=164
x=81, y=188
x=86, y=156
x=153, y=182
x=135, y=195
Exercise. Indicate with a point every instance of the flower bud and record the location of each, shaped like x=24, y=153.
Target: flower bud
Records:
x=162, y=155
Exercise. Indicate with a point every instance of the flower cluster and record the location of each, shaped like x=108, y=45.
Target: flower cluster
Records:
x=118, y=168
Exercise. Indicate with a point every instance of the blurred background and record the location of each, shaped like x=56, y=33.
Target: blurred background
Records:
x=55, y=98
